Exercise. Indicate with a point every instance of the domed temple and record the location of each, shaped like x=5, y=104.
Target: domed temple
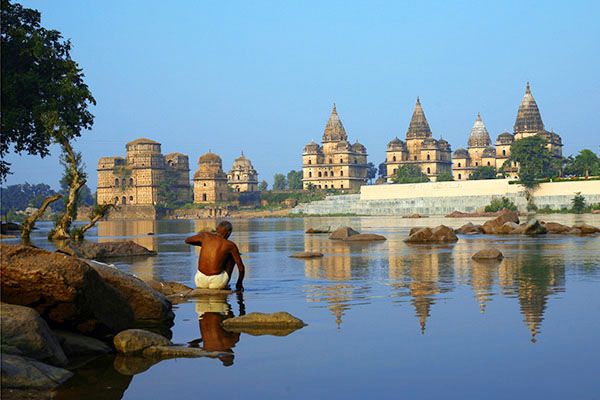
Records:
x=134, y=180
x=480, y=152
x=336, y=164
x=421, y=149
x=243, y=177
x=210, y=182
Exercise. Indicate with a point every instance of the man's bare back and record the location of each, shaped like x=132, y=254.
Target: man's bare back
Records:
x=218, y=254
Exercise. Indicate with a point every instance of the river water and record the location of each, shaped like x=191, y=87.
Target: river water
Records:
x=384, y=319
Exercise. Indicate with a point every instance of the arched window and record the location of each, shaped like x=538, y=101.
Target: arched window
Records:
x=459, y=176
x=428, y=170
x=488, y=163
x=355, y=161
x=394, y=158
x=428, y=158
x=325, y=186
x=503, y=152
x=130, y=181
x=130, y=198
x=341, y=161
x=331, y=174
x=221, y=195
x=117, y=182
x=116, y=200
x=459, y=165
x=341, y=186
x=309, y=174
x=330, y=161
x=415, y=158
x=319, y=186
x=319, y=174
x=309, y=162
x=476, y=164
x=123, y=200
x=204, y=197
x=325, y=173
x=341, y=173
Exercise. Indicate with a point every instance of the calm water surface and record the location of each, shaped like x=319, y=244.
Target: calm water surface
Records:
x=384, y=319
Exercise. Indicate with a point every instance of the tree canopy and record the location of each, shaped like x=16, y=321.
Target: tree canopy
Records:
x=409, y=173
x=279, y=182
x=483, y=172
x=371, y=171
x=263, y=185
x=38, y=77
x=444, y=177
x=534, y=159
x=583, y=164
x=294, y=180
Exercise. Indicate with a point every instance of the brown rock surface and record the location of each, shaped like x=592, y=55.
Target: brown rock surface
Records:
x=531, y=227
x=439, y=234
x=66, y=291
x=494, y=226
x=136, y=340
x=75, y=345
x=20, y=372
x=167, y=288
x=166, y=352
x=555, y=227
x=415, y=215
x=307, y=254
x=320, y=229
x=414, y=229
x=489, y=253
x=149, y=306
x=508, y=227
x=366, y=237
x=342, y=233
x=25, y=333
x=258, y=320
x=101, y=251
x=586, y=229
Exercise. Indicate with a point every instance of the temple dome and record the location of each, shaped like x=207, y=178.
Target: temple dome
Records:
x=334, y=130
x=359, y=148
x=489, y=152
x=528, y=117
x=242, y=161
x=210, y=158
x=505, y=138
x=312, y=148
x=461, y=153
x=430, y=143
x=479, y=136
x=344, y=145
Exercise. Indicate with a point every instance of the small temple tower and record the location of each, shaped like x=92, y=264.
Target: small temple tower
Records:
x=243, y=177
x=210, y=182
x=336, y=164
x=480, y=152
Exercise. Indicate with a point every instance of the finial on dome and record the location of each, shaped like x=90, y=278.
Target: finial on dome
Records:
x=334, y=110
x=242, y=153
x=528, y=90
x=478, y=117
x=418, y=101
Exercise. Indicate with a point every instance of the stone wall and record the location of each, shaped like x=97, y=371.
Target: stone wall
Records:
x=134, y=212
x=442, y=198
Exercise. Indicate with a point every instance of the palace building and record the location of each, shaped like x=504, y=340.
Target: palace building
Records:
x=420, y=148
x=210, y=182
x=481, y=153
x=242, y=177
x=135, y=179
x=336, y=164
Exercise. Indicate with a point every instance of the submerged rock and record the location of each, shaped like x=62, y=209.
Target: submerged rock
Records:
x=166, y=352
x=307, y=254
x=136, y=340
x=66, y=291
x=167, y=288
x=365, y=237
x=439, y=234
x=265, y=330
x=132, y=364
x=342, y=233
x=100, y=251
x=25, y=333
x=258, y=320
x=20, y=372
x=489, y=253
x=75, y=345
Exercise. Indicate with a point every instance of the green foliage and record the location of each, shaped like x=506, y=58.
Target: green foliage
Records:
x=294, y=180
x=444, y=177
x=483, y=172
x=21, y=196
x=500, y=204
x=578, y=203
x=167, y=193
x=534, y=159
x=263, y=185
x=409, y=174
x=301, y=196
x=371, y=171
x=586, y=163
x=382, y=169
x=279, y=182
x=38, y=77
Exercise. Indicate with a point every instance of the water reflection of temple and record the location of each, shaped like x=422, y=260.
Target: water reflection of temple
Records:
x=426, y=272
x=136, y=231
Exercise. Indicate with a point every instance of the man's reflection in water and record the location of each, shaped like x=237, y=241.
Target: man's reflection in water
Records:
x=212, y=310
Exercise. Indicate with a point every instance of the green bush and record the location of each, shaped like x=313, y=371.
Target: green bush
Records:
x=499, y=204
x=578, y=202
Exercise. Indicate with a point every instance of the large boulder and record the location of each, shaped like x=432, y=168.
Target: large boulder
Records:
x=494, y=226
x=149, y=306
x=25, y=333
x=365, y=237
x=489, y=253
x=555, y=227
x=414, y=229
x=66, y=291
x=24, y=373
x=75, y=345
x=531, y=227
x=167, y=288
x=136, y=340
x=342, y=233
x=439, y=234
x=586, y=229
x=101, y=251
x=507, y=227
x=469, y=229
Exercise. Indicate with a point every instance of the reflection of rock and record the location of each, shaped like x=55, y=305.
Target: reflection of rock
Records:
x=26, y=334
x=365, y=237
x=132, y=364
x=20, y=373
x=149, y=306
x=273, y=331
x=166, y=352
x=167, y=288
x=204, y=292
x=136, y=340
x=66, y=291
x=260, y=320
x=439, y=234
x=75, y=345
x=319, y=229
x=489, y=253
x=100, y=251
x=307, y=254
x=342, y=233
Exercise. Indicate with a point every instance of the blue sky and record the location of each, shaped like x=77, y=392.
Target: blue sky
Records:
x=262, y=76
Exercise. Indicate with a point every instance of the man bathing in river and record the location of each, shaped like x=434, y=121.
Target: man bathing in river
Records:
x=217, y=257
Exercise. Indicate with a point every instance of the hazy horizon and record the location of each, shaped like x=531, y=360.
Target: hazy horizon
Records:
x=262, y=77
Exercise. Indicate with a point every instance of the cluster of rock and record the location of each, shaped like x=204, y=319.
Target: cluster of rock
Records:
x=348, y=234
x=508, y=223
x=439, y=234
x=56, y=307
x=105, y=250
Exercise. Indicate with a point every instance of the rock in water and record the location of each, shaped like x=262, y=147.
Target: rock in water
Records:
x=586, y=229
x=319, y=229
x=19, y=372
x=167, y=288
x=415, y=229
x=554, y=227
x=136, y=340
x=342, y=233
x=365, y=237
x=531, y=227
x=439, y=234
x=166, y=352
x=494, y=226
x=101, y=251
x=307, y=254
x=25, y=333
x=149, y=306
x=258, y=320
x=66, y=291
x=75, y=345
x=508, y=227
x=489, y=253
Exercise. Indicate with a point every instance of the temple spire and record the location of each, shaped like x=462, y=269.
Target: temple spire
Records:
x=528, y=120
x=528, y=90
x=334, y=130
x=418, y=128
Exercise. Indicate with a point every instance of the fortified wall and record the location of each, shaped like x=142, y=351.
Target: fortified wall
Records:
x=442, y=198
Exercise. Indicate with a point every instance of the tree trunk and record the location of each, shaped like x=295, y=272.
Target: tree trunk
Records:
x=28, y=224
x=99, y=214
